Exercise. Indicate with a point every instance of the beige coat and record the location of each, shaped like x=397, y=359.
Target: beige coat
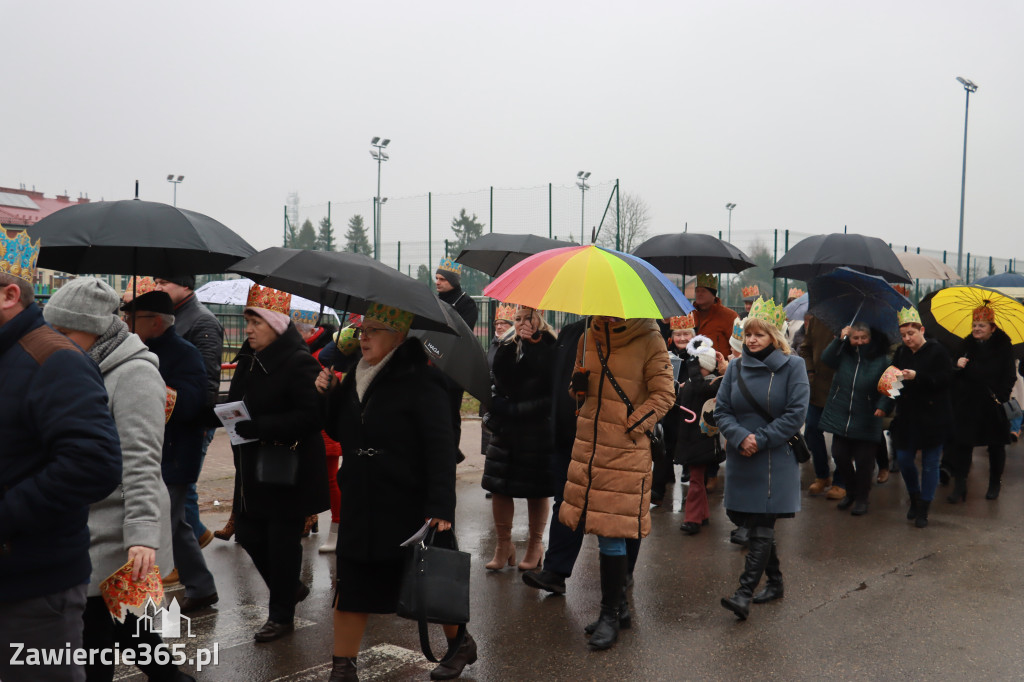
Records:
x=609, y=479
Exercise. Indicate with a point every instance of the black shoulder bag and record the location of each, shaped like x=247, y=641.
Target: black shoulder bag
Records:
x=797, y=442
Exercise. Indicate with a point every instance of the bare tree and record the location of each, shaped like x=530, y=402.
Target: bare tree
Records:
x=634, y=224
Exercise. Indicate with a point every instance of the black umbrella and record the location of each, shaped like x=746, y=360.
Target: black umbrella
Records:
x=347, y=282
x=823, y=253
x=496, y=252
x=684, y=253
x=458, y=355
x=131, y=237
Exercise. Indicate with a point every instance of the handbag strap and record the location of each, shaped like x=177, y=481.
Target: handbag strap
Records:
x=750, y=398
x=460, y=636
x=611, y=379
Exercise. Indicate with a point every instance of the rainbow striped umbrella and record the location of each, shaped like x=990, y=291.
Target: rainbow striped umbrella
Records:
x=590, y=280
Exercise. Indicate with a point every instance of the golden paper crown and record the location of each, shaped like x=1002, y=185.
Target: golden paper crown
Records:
x=269, y=299
x=751, y=292
x=768, y=311
x=984, y=314
x=18, y=255
x=303, y=316
x=450, y=265
x=707, y=280
x=347, y=341
x=908, y=315
x=505, y=311
x=396, y=318
x=142, y=285
x=682, y=322
x=796, y=292
x=904, y=290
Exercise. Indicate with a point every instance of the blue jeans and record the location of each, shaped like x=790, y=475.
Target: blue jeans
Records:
x=816, y=442
x=1015, y=424
x=192, y=497
x=930, y=458
x=611, y=546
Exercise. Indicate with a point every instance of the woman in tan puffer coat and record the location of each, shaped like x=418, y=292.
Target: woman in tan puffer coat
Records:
x=623, y=370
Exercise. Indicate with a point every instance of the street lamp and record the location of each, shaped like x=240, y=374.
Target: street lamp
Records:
x=381, y=156
x=969, y=87
x=581, y=182
x=171, y=178
x=730, y=207
x=380, y=216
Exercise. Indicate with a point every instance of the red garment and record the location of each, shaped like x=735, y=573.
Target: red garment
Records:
x=716, y=324
x=332, y=484
x=697, y=496
x=332, y=446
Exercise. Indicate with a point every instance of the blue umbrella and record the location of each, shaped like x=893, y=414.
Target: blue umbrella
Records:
x=797, y=308
x=1003, y=279
x=845, y=296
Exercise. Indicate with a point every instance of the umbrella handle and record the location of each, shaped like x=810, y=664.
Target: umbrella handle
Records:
x=693, y=415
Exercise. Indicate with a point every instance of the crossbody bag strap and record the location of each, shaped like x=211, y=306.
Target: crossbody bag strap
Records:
x=750, y=398
x=611, y=379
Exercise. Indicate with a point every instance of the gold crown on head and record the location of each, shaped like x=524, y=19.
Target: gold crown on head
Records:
x=505, y=311
x=751, y=292
x=269, y=299
x=682, y=322
x=18, y=255
x=908, y=315
x=768, y=311
x=395, y=318
x=707, y=280
x=450, y=265
x=796, y=292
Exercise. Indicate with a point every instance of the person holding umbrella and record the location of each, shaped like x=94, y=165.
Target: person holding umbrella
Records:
x=448, y=281
x=982, y=381
x=761, y=405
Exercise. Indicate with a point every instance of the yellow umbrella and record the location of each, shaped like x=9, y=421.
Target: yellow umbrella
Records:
x=953, y=308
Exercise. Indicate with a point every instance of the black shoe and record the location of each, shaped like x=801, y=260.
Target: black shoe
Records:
x=845, y=503
x=922, y=513
x=271, y=631
x=993, y=490
x=740, y=536
x=466, y=655
x=915, y=502
x=690, y=528
x=944, y=476
x=343, y=670
x=190, y=604
x=959, y=493
x=657, y=498
x=860, y=508
x=545, y=580
x=301, y=592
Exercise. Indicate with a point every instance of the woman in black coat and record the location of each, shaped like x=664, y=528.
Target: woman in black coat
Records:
x=519, y=455
x=390, y=414
x=982, y=381
x=275, y=379
x=923, y=414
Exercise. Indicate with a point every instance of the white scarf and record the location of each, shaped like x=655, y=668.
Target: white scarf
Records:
x=365, y=373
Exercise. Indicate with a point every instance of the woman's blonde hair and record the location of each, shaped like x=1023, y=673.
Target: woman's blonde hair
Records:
x=539, y=323
x=778, y=340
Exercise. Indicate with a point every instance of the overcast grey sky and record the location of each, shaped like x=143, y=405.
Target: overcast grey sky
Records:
x=808, y=115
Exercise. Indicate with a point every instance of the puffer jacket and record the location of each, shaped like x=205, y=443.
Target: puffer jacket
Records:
x=854, y=397
x=609, y=481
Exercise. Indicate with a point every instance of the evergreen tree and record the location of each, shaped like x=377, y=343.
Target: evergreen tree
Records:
x=424, y=274
x=467, y=229
x=356, y=239
x=325, y=236
x=291, y=236
x=306, y=238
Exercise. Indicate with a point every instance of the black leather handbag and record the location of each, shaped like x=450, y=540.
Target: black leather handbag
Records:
x=435, y=589
x=277, y=463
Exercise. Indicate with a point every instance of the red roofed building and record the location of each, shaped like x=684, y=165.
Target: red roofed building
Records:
x=24, y=208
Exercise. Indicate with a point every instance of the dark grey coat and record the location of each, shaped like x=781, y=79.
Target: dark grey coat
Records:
x=767, y=482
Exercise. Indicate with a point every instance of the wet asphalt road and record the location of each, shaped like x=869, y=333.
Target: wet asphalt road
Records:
x=867, y=597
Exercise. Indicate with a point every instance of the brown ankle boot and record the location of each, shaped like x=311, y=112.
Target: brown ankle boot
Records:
x=538, y=509
x=228, y=530
x=503, y=508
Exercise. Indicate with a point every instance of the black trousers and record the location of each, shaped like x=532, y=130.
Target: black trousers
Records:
x=455, y=403
x=855, y=459
x=275, y=546
x=102, y=632
x=959, y=459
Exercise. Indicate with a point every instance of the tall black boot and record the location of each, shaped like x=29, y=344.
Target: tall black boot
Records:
x=959, y=493
x=922, y=513
x=773, y=587
x=613, y=582
x=760, y=547
x=915, y=502
x=625, y=617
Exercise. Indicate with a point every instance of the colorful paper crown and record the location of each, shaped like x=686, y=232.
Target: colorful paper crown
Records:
x=904, y=290
x=751, y=292
x=346, y=340
x=796, y=292
x=891, y=382
x=140, y=285
x=707, y=280
x=18, y=254
x=984, y=314
x=908, y=315
x=682, y=322
x=768, y=311
x=396, y=318
x=303, y=316
x=269, y=299
x=505, y=311
x=450, y=265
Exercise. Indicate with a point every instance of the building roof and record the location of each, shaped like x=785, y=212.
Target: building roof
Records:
x=22, y=207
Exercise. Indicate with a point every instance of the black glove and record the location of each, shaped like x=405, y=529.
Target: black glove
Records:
x=579, y=381
x=500, y=405
x=247, y=429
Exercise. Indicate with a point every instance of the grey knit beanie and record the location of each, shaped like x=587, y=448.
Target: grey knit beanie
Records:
x=84, y=304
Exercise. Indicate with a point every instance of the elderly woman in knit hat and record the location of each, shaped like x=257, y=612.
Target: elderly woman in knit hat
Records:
x=275, y=379
x=391, y=418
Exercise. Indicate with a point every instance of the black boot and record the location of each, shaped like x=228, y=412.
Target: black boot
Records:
x=915, y=502
x=739, y=536
x=773, y=587
x=760, y=547
x=466, y=655
x=993, y=489
x=922, y=513
x=343, y=670
x=613, y=584
x=625, y=617
x=959, y=493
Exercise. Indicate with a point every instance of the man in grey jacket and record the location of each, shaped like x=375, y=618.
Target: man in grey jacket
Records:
x=194, y=322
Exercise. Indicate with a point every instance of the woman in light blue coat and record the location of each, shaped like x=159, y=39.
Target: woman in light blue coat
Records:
x=762, y=472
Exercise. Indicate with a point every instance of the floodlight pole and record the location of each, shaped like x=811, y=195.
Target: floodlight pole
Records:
x=969, y=87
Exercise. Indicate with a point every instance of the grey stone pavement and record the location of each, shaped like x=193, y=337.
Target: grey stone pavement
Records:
x=867, y=598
